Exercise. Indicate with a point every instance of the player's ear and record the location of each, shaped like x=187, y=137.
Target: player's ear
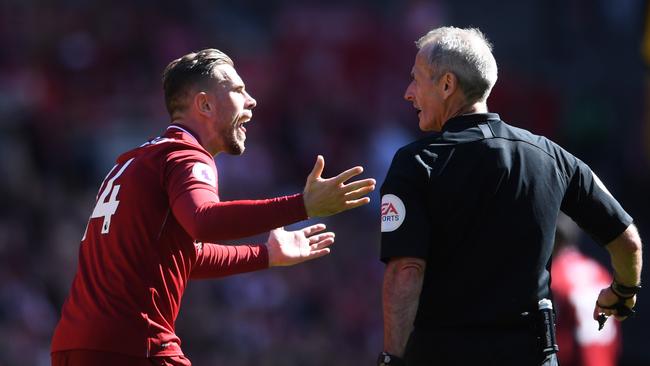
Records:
x=202, y=103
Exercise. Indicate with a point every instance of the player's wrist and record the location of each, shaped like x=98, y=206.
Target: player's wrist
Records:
x=307, y=203
x=271, y=253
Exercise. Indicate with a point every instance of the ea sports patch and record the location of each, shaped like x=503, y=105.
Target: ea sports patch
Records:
x=393, y=213
x=204, y=173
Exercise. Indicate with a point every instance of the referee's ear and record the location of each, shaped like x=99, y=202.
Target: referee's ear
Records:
x=448, y=82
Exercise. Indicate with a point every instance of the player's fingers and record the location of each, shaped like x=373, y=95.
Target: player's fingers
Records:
x=318, y=253
x=313, y=229
x=317, y=171
x=316, y=238
x=356, y=203
x=359, y=184
x=341, y=178
x=359, y=193
x=322, y=243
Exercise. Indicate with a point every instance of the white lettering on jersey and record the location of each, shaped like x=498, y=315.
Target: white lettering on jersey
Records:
x=157, y=140
x=204, y=173
x=393, y=213
x=106, y=209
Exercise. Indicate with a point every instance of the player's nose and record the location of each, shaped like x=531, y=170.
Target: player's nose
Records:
x=250, y=101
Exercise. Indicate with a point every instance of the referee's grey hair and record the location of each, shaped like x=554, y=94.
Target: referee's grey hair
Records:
x=465, y=53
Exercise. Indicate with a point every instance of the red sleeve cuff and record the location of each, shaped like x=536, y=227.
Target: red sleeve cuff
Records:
x=216, y=260
x=296, y=206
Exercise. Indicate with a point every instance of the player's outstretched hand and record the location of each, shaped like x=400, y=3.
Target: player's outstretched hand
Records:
x=329, y=196
x=287, y=248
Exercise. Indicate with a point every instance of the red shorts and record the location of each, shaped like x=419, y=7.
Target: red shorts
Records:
x=99, y=358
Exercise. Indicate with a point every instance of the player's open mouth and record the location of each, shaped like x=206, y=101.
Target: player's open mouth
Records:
x=244, y=119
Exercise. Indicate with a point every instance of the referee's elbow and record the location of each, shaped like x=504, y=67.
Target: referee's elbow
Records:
x=406, y=266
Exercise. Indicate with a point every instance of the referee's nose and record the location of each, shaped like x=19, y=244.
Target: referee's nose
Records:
x=409, y=93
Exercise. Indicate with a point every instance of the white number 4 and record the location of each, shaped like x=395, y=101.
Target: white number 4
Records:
x=106, y=209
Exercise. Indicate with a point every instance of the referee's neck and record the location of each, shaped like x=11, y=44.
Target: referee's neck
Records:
x=478, y=107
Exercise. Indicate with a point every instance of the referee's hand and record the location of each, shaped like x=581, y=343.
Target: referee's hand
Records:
x=608, y=298
x=329, y=196
x=287, y=248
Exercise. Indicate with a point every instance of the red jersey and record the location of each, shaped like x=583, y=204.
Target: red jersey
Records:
x=149, y=233
x=577, y=281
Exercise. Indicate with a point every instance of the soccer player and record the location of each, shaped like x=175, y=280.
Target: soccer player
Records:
x=158, y=215
x=468, y=222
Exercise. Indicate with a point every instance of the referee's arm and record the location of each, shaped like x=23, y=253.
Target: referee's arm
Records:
x=588, y=202
x=627, y=259
x=401, y=292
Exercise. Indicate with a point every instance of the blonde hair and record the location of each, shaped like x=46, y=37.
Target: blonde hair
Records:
x=185, y=72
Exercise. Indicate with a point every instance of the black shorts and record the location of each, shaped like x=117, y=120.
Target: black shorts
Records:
x=470, y=347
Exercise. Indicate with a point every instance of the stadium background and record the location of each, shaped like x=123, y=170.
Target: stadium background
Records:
x=80, y=82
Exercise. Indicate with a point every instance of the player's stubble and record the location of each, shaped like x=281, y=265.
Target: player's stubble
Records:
x=236, y=137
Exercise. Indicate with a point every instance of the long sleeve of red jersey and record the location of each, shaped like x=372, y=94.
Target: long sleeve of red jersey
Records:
x=214, y=260
x=208, y=220
x=190, y=178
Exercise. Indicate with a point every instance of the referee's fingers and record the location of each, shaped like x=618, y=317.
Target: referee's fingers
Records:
x=313, y=229
x=602, y=310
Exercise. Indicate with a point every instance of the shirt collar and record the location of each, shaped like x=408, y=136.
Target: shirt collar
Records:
x=466, y=121
x=181, y=128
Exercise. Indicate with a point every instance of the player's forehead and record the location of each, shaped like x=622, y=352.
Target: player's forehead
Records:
x=228, y=76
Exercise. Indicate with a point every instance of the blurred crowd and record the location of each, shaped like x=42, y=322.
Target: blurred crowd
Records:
x=80, y=83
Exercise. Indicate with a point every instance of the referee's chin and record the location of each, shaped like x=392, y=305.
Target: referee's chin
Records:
x=426, y=127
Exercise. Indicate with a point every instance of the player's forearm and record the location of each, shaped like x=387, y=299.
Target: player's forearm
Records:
x=216, y=260
x=626, y=256
x=401, y=291
x=209, y=221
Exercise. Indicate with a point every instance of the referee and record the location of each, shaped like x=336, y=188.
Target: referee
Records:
x=468, y=221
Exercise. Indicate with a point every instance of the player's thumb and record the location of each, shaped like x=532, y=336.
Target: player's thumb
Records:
x=318, y=168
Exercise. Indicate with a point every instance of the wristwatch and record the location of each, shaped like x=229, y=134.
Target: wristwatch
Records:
x=386, y=359
x=624, y=292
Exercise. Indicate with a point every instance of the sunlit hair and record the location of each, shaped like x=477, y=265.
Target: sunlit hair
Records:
x=184, y=73
x=465, y=53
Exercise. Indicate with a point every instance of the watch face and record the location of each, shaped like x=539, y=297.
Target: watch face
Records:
x=384, y=359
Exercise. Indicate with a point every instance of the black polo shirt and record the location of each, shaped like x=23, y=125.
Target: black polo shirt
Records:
x=479, y=202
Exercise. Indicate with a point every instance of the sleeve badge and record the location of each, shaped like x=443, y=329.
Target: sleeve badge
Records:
x=204, y=173
x=393, y=213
